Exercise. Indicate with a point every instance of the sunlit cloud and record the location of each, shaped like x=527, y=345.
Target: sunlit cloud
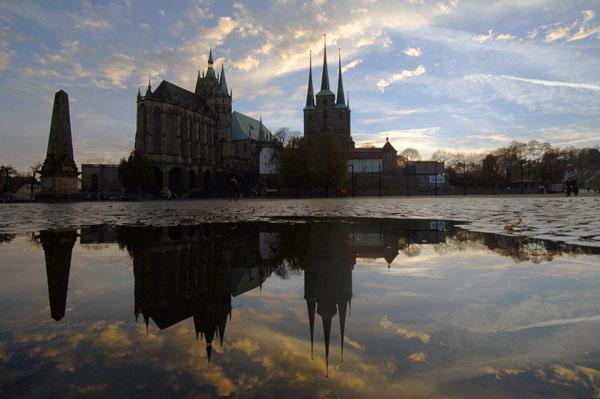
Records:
x=413, y=51
x=386, y=324
x=383, y=83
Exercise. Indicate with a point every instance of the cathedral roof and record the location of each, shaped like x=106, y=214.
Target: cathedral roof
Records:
x=244, y=127
x=171, y=92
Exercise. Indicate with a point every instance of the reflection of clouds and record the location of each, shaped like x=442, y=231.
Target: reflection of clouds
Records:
x=417, y=357
x=387, y=324
x=4, y=355
x=353, y=344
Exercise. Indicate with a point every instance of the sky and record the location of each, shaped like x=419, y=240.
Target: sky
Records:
x=455, y=75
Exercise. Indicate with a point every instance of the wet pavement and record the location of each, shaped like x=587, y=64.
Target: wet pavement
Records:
x=573, y=219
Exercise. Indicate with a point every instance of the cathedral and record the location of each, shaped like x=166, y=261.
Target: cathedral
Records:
x=329, y=113
x=188, y=135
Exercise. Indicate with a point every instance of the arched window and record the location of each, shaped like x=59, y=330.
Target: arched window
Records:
x=170, y=133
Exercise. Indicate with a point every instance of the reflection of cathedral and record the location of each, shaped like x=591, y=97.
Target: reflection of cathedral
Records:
x=194, y=271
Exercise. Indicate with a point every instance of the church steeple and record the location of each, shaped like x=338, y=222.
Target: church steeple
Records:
x=325, y=88
x=341, y=102
x=223, y=82
x=149, y=89
x=210, y=72
x=310, y=95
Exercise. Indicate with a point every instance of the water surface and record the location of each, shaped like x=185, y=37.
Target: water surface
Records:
x=296, y=308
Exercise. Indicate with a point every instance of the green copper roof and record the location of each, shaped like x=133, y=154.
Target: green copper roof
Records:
x=244, y=127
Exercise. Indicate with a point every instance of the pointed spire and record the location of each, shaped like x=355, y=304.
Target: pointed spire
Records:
x=311, y=306
x=326, y=336
x=208, y=351
x=325, y=76
x=223, y=81
x=149, y=89
x=310, y=94
x=342, y=312
x=341, y=102
x=139, y=92
x=348, y=100
x=261, y=133
x=210, y=71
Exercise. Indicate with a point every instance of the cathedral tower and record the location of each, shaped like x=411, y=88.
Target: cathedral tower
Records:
x=327, y=114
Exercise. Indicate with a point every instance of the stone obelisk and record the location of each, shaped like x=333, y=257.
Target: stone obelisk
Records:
x=59, y=172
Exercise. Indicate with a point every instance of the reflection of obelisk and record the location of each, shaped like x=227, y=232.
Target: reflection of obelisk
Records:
x=58, y=246
x=59, y=172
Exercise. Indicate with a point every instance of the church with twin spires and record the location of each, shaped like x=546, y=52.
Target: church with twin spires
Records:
x=326, y=112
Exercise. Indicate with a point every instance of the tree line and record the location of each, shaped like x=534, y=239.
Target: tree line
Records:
x=533, y=161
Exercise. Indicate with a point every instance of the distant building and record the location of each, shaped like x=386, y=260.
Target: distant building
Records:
x=20, y=188
x=328, y=113
x=100, y=181
x=373, y=160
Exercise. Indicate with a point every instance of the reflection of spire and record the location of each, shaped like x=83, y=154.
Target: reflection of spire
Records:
x=342, y=313
x=58, y=246
x=311, y=305
x=326, y=336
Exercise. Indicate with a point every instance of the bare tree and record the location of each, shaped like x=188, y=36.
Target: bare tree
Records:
x=285, y=134
x=410, y=154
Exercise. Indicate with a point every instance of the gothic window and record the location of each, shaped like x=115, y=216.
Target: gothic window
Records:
x=170, y=133
x=157, y=132
x=143, y=119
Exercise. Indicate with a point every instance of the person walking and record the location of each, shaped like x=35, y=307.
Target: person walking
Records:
x=234, y=189
x=571, y=180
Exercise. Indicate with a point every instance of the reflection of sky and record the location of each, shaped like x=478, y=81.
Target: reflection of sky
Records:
x=451, y=321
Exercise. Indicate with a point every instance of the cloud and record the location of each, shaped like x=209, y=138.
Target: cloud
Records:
x=548, y=83
x=6, y=54
x=117, y=68
x=391, y=115
x=29, y=72
x=558, y=33
x=413, y=51
x=490, y=36
x=351, y=65
x=200, y=10
x=417, y=357
x=505, y=36
x=445, y=8
x=247, y=64
x=585, y=32
x=383, y=83
x=386, y=324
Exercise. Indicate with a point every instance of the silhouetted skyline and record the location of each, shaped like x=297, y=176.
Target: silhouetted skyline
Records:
x=447, y=74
